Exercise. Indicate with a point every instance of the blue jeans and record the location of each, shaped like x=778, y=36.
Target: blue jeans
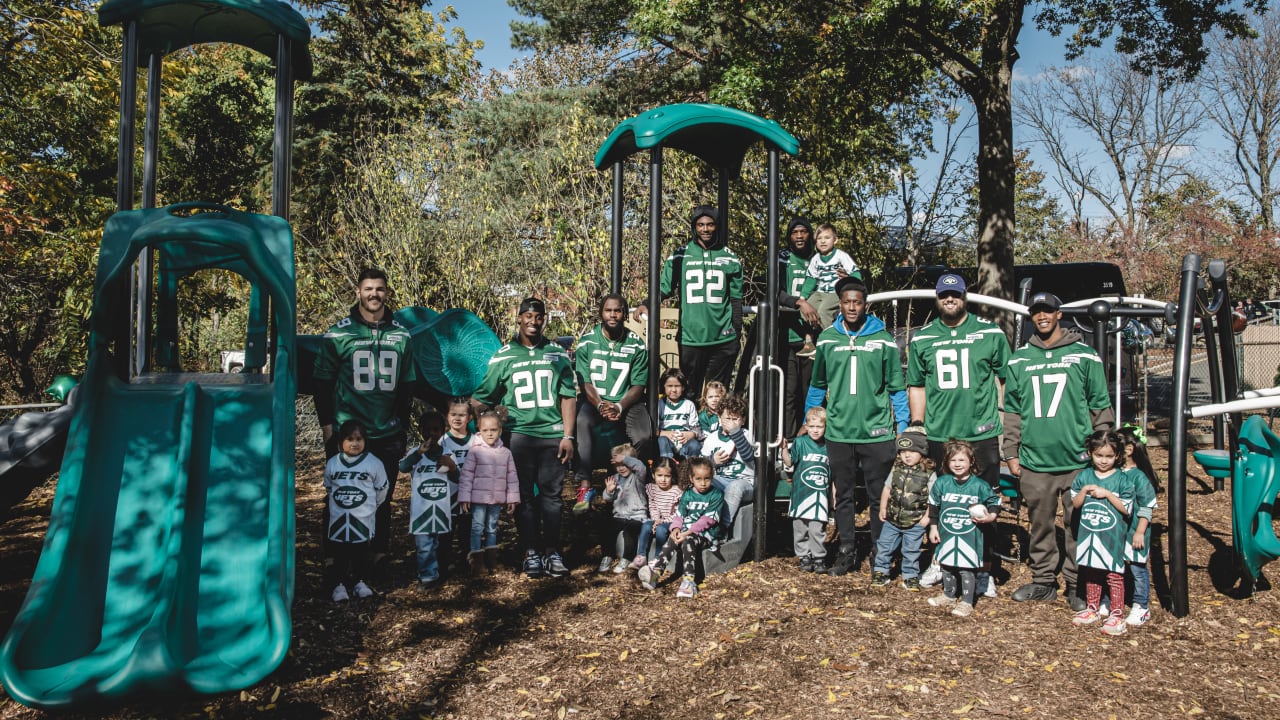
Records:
x=1141, y=583
x=428, y=566
x=689, y=449
x=735, y=491
x=910, y=539
x=658, y=533
x=484, y=526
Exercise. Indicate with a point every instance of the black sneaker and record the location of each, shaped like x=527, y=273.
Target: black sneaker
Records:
x=1076, y=602
x=1036, y=592
x=553, y=565
x=806, y=564
x=846, y=562
x=533, y=564
x=879, y=579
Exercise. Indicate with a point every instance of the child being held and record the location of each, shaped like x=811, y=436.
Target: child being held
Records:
x=713, y=394
x=487, y=483
x=957, y=502
x=357, y=484
x=810, y=491
x=904, y=510
x=1138, y=465
x=664, y=495
x=827, y=265
x=433, y=496
x=625, y=490
x=678, y=431
x=1103, y=498
x=694, y=528
x=733, y=456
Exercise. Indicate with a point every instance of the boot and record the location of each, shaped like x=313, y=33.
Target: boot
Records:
x=475, y=561
x=491, y=559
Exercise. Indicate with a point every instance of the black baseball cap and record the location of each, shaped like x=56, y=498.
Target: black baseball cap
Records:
x=1045, y=299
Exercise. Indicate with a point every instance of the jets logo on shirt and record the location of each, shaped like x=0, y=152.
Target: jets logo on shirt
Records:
x=433, y=489
x=1100, y=519
x=957, y=520
x=348, y=497
x=815, y=477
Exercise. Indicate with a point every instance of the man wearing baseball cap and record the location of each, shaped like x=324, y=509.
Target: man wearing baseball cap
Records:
x=955, y=368
x=1055, y=396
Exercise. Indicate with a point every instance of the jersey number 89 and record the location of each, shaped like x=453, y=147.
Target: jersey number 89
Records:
x=368, y=372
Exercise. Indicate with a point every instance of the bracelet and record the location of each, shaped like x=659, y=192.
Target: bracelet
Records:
x=567, y=437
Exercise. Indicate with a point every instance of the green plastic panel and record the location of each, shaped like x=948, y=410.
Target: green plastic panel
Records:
x=718, y=135
x=168, y=563
x=1255, y=485
x=168, y=25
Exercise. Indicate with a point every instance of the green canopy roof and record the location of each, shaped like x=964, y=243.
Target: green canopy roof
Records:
x=718, y=135
x=168, y=25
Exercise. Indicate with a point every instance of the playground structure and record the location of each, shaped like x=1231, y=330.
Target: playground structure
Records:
x=168, y=563
x=720, y=137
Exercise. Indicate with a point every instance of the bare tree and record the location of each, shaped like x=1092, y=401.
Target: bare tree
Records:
x=1242, y=97
x=1117, y=137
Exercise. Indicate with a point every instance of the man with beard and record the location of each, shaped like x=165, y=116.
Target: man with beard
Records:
x=612, y=367
x=796, y=368
x=955, y=371
x=1055, y=396
x=531, y=379
x=364, y=371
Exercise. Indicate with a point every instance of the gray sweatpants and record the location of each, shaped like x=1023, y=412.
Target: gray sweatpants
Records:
x=808, y=536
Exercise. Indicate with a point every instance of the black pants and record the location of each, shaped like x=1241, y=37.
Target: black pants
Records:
x=388, y=451
x=635, y=425
x=350, y=561
x=538, y=518
x=960, y=583
x=797, y=372
x=609, y=528
x=690, y=548
x=705, y=363
x=856, y=465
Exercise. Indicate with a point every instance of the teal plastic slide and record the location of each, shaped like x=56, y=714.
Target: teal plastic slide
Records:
x=168, y=563
x=1255, y=486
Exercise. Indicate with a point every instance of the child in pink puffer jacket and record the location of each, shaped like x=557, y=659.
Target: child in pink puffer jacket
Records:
x=487, y=482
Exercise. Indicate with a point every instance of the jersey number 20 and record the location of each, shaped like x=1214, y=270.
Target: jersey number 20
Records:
x=532, y=388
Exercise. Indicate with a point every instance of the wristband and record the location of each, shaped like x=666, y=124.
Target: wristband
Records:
x=567, y=437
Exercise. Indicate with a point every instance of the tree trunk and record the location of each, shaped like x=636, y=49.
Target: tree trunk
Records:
x=997, y=170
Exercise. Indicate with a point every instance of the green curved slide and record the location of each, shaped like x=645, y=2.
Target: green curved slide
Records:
x=168, y=563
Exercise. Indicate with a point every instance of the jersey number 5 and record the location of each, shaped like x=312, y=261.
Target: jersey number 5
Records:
x=532, y=389
x=370, y=372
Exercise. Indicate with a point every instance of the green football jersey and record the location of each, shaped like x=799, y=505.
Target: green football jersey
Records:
x=1054, y=391
x=958, y=368
x=1144, y=504
x=529, y=382
x=795, y=270
x=710, y=279
x=612, y=366
x=961, y=539
x=811, y=481
x=859, y=372
x=693, y=505
x=1101, y=529
x=369, y=366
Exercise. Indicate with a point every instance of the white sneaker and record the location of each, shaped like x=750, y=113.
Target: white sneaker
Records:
x=363, y=591
x=1104, y=609
x=990, y=592
x=932, y=575
x=340, y=593
x=621, y=566
x=649, y=577
x=606, y=564
x=1138, y=615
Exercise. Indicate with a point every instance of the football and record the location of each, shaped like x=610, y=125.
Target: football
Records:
x=1238, y=321
x=978, y=511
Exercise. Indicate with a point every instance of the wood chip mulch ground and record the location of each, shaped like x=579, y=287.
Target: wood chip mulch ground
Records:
x=764, y=640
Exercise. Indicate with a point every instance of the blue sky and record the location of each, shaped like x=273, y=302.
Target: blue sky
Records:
x=489, y=20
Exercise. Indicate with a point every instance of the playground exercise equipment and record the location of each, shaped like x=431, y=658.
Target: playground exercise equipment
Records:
x=168, y=563
x=720, y=137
